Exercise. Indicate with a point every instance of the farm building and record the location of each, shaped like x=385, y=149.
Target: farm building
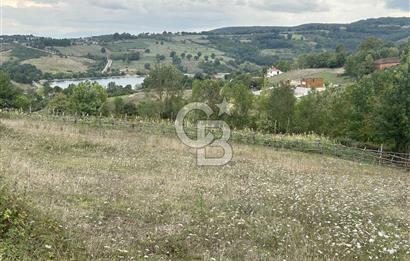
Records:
x=313, y=83
x=385, y=63
x=272, y=72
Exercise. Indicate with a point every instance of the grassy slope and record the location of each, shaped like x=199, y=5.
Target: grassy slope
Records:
x=24, y=53
x=56, y=64
x=176, y=45
x=26, y=233
x=133, y=195
x=329, y=75
x=6, y=56
x=81, y=50
x=19, y=53
x=140, y=96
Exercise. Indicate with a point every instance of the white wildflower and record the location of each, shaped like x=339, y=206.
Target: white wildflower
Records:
x=391, y=251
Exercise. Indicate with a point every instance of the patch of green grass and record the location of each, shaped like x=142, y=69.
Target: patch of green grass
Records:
x=124, y=46
x=55, y=64
x=331, y=76
x=81, y=50
x=334, y=78
x=156, y=48
x=24, y=53
x=27, y=234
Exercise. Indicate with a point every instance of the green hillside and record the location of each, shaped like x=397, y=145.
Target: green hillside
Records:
x=245, y=49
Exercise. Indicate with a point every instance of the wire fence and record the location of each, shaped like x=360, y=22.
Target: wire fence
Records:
x=302, y=143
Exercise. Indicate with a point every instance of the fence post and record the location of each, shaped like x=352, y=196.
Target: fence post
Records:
x=408, y=161
x=381, y=154
x=319, y=148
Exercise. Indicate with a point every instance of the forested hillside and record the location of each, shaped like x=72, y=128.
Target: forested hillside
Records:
x=226, y=50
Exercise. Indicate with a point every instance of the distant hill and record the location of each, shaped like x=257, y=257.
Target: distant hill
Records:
x=264, y=44
x=387, y=28
x=222, y=50
x=382, y=26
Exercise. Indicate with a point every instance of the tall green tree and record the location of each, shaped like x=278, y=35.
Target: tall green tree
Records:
x=89, y=98
x=119, y=105
x=381, y=108
x=277, y=109
x=60, y=103
x=165, y=81
x=8, y=93
x=241, y=98
x=362, y=62
x=207, y=91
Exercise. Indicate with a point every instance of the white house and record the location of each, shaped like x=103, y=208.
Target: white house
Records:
x=272, y=72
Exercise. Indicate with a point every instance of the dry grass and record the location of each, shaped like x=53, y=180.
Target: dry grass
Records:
x=328, y=74
x=5, y=56
x=81, y=50
x=131, y=195
x=55, y=64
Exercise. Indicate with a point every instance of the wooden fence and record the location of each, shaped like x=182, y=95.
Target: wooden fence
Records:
x=310, y=144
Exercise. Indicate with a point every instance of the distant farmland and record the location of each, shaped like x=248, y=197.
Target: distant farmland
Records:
x=334, y=76
x=55, y=64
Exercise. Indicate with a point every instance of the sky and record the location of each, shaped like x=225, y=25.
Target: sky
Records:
x=76, y=18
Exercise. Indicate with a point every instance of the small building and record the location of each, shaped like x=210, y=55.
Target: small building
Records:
x=221, y=76
x=385, y=63
x=272, y=72
x=313, y=83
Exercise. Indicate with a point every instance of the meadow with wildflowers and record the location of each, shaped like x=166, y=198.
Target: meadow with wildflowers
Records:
x=128, y=196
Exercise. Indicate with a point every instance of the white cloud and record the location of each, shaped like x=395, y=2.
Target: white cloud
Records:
x=83, y=17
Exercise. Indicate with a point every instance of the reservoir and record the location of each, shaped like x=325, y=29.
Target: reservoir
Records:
x=134, y=81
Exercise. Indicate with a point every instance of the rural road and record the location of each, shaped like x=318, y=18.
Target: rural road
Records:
x=108, y=66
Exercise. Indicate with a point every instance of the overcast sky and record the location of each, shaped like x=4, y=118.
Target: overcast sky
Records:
x=67, y=18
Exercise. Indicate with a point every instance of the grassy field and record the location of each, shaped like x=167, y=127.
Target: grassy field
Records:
x=55, y=64
x=24, y=53
x=180, y=45
x=22, y=86
x=26, y=233
x=329, y=75
x=6, y=56
x=281, y=53
x=19, y=53
x=81, y=50
x=128, y=195
x=124, y=46
x=138, y=97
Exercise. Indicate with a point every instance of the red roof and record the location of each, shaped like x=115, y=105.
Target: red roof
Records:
x=388, y=60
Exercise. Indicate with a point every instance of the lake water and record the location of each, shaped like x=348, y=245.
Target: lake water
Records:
x=134, y=81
